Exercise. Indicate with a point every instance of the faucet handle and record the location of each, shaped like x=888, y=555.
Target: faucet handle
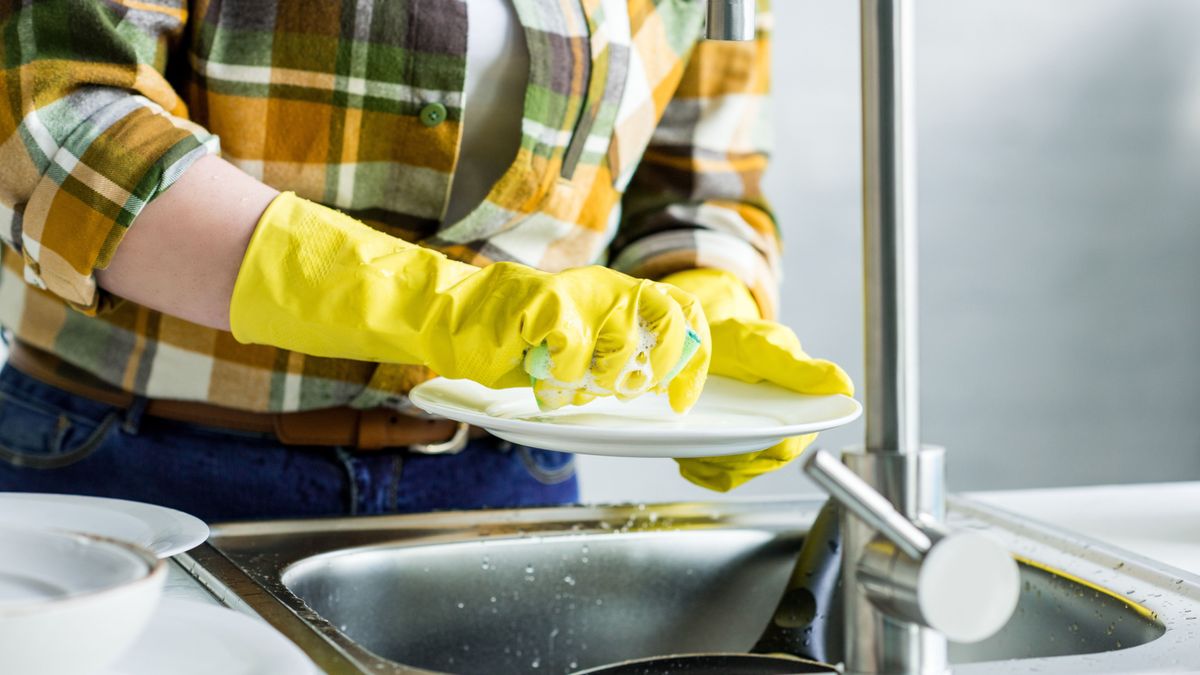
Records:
x=862, y=500
x=966, y=587
x=962, y=584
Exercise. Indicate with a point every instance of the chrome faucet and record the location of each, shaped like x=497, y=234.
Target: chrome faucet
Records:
x=908, y=583
x=729, y=20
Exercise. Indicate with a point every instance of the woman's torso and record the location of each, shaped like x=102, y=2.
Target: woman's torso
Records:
x=361, y=106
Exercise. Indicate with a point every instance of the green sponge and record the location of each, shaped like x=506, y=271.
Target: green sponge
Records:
x=537, y=360
x=537, y=363
x=691, y=342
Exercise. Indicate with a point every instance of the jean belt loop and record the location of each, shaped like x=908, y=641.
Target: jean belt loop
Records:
x=133, y=415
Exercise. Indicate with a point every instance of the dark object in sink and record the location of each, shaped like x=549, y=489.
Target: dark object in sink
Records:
x=712, y=664
x=808, y=620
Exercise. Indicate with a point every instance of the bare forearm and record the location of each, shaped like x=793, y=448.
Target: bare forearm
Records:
x=182, y=254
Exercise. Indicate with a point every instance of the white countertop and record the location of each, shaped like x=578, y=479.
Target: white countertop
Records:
x=1156, y=520
x=180, y=584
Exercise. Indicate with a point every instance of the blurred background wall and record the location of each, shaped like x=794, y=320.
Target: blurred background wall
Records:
x=1059, y=237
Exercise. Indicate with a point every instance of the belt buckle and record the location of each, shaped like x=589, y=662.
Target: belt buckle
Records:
x=451, y=447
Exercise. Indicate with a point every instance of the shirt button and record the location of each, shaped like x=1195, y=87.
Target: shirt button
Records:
x=433, y=114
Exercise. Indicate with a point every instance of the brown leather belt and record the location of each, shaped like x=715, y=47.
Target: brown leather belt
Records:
x=342, y=426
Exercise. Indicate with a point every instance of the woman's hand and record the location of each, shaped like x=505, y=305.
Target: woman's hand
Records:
x=317, y=281
x=751, y=349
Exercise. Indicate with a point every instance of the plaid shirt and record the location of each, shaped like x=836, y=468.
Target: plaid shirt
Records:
x=642, y=147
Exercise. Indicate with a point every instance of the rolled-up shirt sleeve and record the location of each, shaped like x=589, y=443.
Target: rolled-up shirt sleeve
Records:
x=696, y=199
x=92, y=133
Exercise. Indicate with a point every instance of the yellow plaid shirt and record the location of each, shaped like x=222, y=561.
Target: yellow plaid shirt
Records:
x=642, y=148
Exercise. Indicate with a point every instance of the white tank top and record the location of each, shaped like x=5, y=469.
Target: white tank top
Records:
x=493, y=104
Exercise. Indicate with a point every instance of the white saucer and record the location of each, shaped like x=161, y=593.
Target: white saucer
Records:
x=163, y=531
x=731, y=417
x=186, y=637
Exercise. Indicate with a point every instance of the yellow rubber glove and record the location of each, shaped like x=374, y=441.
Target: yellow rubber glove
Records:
x=316, y=281
x=748, y=348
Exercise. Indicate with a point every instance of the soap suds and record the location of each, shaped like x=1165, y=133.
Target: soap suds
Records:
x=635, y=378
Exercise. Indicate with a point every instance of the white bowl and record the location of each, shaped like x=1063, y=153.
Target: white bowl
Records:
x=70, y=604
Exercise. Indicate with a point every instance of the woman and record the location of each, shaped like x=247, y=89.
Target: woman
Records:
x=196, y=325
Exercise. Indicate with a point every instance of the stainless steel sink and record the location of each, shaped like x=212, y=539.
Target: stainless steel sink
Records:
x=559, y=590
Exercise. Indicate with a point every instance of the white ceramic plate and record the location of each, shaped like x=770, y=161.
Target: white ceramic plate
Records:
x=730, y=417
x=186, y=637
x=163, y=531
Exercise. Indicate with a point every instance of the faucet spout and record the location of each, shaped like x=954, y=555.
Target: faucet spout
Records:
x=890, y=226
x=730, y=20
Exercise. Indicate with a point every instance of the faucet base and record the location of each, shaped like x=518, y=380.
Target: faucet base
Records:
x=880, y=644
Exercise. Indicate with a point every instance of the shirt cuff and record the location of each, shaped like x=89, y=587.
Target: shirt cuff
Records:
x=99, y=179
x=709, y=236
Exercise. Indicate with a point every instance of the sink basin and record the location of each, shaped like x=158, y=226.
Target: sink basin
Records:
x=560, y=603
x=565, y=589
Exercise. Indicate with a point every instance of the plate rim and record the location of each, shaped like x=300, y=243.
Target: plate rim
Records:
x=162, y=545
x=620, y=449
x=417, y=396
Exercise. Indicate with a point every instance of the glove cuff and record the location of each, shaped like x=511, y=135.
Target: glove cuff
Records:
x=317, y=281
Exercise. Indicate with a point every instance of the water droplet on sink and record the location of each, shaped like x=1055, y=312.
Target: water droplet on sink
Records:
x=569, y=580
x=462, y=605
x=536, y=663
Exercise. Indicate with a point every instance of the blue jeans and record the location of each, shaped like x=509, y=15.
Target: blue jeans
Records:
x=54, y=441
